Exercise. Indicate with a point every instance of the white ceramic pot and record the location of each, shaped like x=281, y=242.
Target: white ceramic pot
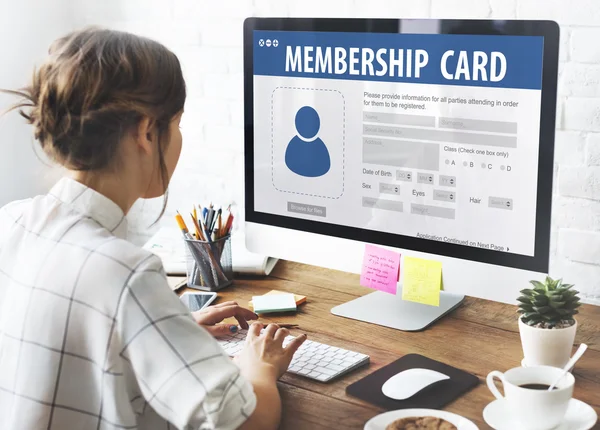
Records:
x=547, y=347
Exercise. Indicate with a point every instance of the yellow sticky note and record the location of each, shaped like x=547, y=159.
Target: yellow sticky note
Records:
x=422, y=281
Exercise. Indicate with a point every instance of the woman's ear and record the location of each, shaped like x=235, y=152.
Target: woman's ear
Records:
x=146, y=135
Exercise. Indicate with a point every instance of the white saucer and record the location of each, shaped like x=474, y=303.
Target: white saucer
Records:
x=579, y=416
x=524, y=364
x=381, y=421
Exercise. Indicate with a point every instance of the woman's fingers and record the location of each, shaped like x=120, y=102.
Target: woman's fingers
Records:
x=220, y=305
x=293, y=346
x=271, y=330
x=280, y=335
x=216, y=315
x=242, y=321
x=254, y=330
x=241, y=314
x=220, y=330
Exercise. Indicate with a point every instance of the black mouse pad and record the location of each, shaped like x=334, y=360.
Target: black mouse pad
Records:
x=435, y=396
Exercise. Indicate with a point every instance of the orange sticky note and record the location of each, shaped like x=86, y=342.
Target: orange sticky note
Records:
x=422, y=281
x=380, y=269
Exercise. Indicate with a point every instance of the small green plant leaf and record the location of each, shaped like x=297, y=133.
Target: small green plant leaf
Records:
x=557, y=305
x=549, y=302
x=542, y=309
x=526, y=308
x=537, y=284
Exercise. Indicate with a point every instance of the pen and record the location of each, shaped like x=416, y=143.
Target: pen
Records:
x=209, y=218
x=219, y=222
x=205, y=230
x=281, y=325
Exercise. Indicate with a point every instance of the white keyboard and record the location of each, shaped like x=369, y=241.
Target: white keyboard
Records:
x=313, y=359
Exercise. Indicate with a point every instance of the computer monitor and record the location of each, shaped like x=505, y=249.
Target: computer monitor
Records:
x=434, y=138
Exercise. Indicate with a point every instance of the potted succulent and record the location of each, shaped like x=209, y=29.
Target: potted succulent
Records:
x=547, y=324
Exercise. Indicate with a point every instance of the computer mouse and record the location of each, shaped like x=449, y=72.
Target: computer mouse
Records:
x=409, y=382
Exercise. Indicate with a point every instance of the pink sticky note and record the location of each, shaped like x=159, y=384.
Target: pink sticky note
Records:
x=380, y=269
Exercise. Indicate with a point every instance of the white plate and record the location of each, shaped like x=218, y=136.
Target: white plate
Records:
x=381, y=421
x=579, y=416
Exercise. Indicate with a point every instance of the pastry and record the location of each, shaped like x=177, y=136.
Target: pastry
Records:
x=420, y=423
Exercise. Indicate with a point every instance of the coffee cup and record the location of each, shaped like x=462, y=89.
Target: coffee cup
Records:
x=528, y=402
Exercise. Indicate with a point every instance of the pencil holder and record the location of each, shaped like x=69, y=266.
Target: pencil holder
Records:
x=209, y=265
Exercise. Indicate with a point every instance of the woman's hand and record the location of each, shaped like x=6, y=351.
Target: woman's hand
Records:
x=263, y=355
x=210, y=317
x=262, y=361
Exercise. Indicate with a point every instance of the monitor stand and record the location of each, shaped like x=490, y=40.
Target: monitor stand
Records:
x=391, y=311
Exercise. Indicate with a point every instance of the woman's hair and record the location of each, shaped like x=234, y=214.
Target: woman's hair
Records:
x=95, y=86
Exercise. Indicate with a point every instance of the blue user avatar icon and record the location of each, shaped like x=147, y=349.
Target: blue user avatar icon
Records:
x=306, y=154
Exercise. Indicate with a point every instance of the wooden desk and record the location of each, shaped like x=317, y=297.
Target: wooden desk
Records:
x=479, y=337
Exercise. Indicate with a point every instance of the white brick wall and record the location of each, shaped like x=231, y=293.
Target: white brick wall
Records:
x=593, y=150
x=461, y=8
x=580, y=182
x=580, y=246
x=581, y=113
x=207, y=36
x=583, y=48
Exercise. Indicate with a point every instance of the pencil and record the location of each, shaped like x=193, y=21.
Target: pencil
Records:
x=182, y=226
x=229, y=224
x=219, y=223
x=197, y=227
x=223, y=231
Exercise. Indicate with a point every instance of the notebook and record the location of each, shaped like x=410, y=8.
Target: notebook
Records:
x=168, y=244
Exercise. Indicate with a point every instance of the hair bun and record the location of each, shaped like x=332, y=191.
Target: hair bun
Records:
x=93, y=88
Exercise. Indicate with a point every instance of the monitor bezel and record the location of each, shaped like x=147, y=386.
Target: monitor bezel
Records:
x=549, y=30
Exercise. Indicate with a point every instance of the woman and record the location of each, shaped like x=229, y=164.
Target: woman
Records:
x=91, y=336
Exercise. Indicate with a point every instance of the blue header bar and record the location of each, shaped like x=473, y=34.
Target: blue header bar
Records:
x=439, y=59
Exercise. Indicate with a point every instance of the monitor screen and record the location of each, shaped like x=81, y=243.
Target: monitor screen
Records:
x=424, y=138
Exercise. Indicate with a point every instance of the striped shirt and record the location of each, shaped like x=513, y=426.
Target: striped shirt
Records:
x=91, y=335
